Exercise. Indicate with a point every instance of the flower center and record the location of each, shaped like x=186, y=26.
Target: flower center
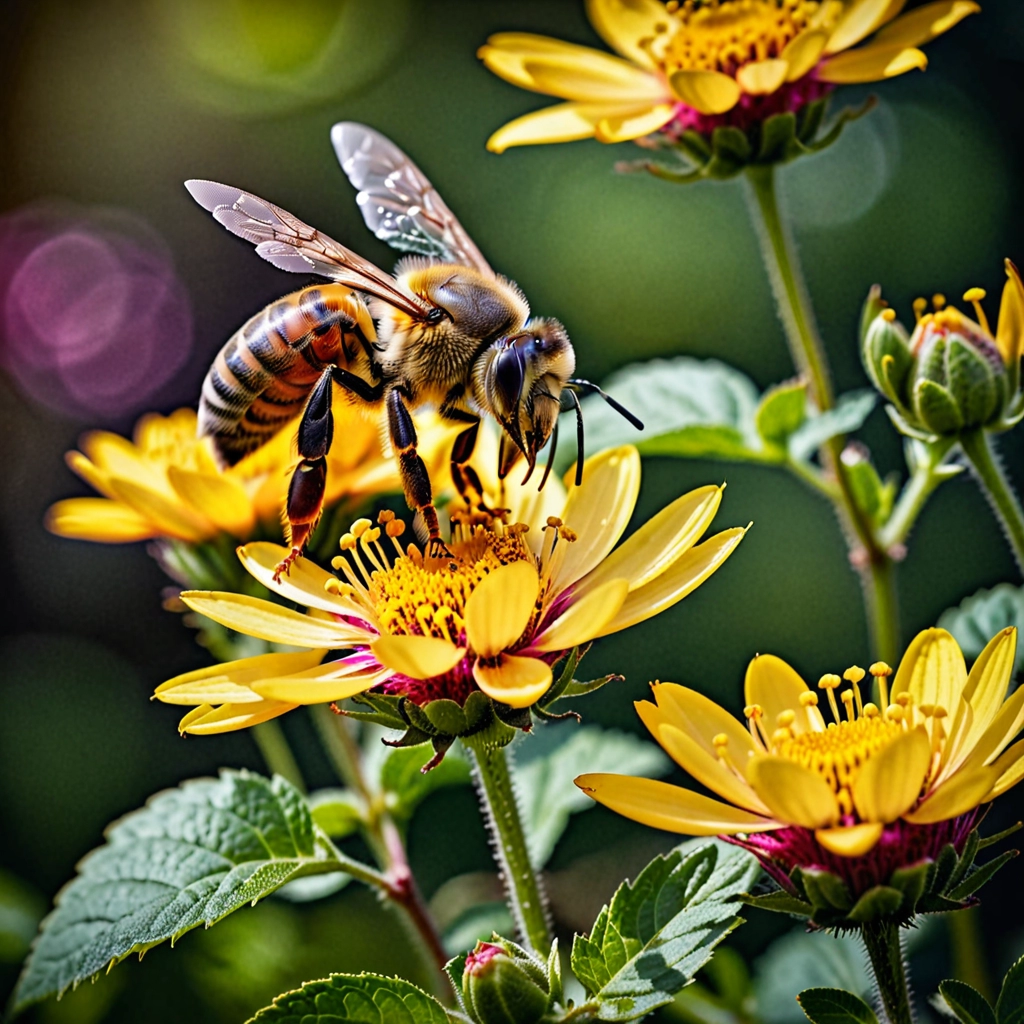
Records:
x=723, y=35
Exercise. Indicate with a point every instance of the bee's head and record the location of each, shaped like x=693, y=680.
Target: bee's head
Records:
x=523, y=378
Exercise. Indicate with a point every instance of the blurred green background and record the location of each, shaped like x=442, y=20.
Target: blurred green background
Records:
x=112, y=104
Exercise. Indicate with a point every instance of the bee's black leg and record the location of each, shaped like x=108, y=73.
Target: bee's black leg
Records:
x=309, y=480
x=415, y=481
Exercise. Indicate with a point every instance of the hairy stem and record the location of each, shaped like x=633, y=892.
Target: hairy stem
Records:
x=882, y=939
x=978, y=449
x=868, y=556
x=280, y=760
x=522, y=884
x=914, y=496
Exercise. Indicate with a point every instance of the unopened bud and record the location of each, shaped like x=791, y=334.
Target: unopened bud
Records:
x=503, y=984
x=886, y=354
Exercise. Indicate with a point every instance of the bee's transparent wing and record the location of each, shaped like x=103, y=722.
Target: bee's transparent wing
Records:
x=398, y=203
x=290, y=244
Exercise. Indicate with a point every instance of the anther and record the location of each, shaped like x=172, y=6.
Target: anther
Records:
x=347, y=542
x=894, y=713
x=881, y=673
x=567, y=535
x=870, y=710
x=332, y=586
x=385, y=516
x=554, y=522
x=888, y=315
x=785, y=718
x=920, y=305
x=395, y=528
x=829, y=682
x=721, y=740
x=753, y=711
x=360, y=526
x=847, y=698
x=974, y=296
x=854, y=674
x=938, y=300
x=808, y=699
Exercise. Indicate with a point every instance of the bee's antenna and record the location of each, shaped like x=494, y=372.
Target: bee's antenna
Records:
x=551, y=456
x=579, y=435
x=620, y=409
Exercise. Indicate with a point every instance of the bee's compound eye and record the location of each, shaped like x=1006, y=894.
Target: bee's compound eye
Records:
x=435, y=316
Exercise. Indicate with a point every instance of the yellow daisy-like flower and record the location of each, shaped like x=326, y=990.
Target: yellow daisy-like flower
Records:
x=893, y=781
x=506, y=605
x=166, y=483
x=701, y=63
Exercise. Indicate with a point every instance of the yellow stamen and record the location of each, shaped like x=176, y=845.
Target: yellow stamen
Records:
x=754, y=713
x=975, y=296
x=888, y=315
x=360, y=526
x=870, y=710
x=938, y=301
x=847, y=698
x=829, y=682
x=920, y=305
x=881, y=673
x=854, y=675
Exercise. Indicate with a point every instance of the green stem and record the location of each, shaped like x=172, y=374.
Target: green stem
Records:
x=868, y=556
x=978, y=449
x=522, y=884
x=882, y=939
x=968, y=950
x=384, y=840
x=914, y=496
x=277, y=754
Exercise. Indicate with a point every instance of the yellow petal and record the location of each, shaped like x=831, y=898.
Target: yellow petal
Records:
x=594, y=78
x=622, y=24
x=761, y=77
x=632, y=124
x=99, y=520
x=705, y=767
x=660, y=541
x=583, y=618
x=206, y=721
x=513, y=680
x=268, y=621
x=1009, y=769
x=701, y=719
x=117, y=456
x=924, y=23
x=1010, y=333
x=803, y=51
x=418, y=657
x=776, y=687
x=304, y=584
x=889, y=782
x=95, y=477
x=709, y=92
x=862, y=17
x=1005, y=726
x=963, y=792
x=564, y=122
x=168, y=515
x=508, y=53
x=850, y=840
x=598, y=510
x=933, y=670
x=671, y=808
x=871, y=64
x=500, y=607
x=794, y=794
x=988, y=682
x=229, y=683
x=323, y=683
x=217, y=497
x=685, y=575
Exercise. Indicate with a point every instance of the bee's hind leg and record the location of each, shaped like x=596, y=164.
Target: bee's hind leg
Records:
x=415, y=480
x=464, y=476
x=309, y=480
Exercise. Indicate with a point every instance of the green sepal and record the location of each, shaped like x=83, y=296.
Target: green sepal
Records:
x=446, y=716
x=935, y=408
x=972, y=383
x=557, y=688
x=977, y=878
x=902, y=423
x=882, y=901
x=873, y=305
x=885, y=353
x=967, y=1004
x=555, y=986
x=825, y=890
x=999, y=836
x=779, y=901
x=386, y=710
x=455, y=968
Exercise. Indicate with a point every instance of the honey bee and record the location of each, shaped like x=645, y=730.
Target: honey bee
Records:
x=445, y=330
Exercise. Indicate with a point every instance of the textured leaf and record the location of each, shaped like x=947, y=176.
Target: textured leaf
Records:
x=834, y=1006
x=657, y=932
x=338, y=812
x=849, y=414
x=553, y=757
x=978, y=618
x=781, y=412
x=1010, y=1008
x=189, y=857
x=362, y=998
x=968, y=1004
x=404, y=783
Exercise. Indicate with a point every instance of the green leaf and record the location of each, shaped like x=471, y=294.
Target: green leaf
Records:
x=339, y=812
x=1010, y=1007
x=968, y=1004
x=781, y=412
x=191, y=856
x=848, y=415
x=553, y=757
x=978, y=618
x=649, y=942
x=406, y=786
x=362, y=998
x=979, y=876
x=834, y=1006
x=580, y=689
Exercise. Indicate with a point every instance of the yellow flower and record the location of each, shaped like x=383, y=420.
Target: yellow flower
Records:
x=506, y=605
x=166, y=483
x=682, y=63
x=917, y=764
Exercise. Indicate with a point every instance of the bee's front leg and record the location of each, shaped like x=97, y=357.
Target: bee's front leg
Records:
x=415, y=481
x=309, y=480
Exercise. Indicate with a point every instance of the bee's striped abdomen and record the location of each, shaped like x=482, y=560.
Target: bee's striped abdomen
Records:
x=262, y=377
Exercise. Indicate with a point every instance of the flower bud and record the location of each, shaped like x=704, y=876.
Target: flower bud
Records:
x=503, y=984
x=887, y=357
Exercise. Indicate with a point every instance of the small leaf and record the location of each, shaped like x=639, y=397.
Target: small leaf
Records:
x=578, y=689
x=552, y=758
x=781, y=902
x=978, y=618
x=649, y=942
x=849, y=414
x=1010, y=1007
x=834, y=1006
x=360, y=998
x=778, y=133
x=406, y=785
x=979, y=876
x=191, y=856
x=969, y=1005
x=781, y=412
x=339, y=812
